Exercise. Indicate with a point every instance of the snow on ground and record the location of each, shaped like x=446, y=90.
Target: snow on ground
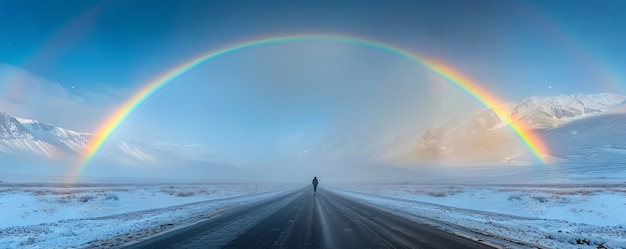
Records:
x=57, y=216
x=553, y=216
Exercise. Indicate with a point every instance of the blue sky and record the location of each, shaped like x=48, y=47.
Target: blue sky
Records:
x=124, y=43
x=285, y=99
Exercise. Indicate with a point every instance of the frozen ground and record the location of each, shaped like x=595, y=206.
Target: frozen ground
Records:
x=563, y=215
x=552, y=216
x=57, y=216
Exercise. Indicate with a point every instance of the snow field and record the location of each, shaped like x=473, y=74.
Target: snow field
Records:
x=553, y=216
x=61, y=217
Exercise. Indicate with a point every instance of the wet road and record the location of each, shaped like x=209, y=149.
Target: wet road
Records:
x=307, y=220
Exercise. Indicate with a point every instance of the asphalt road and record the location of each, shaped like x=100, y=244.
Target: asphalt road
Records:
x=307, y=220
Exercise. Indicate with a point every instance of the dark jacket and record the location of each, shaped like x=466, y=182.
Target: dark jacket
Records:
x=315, y=181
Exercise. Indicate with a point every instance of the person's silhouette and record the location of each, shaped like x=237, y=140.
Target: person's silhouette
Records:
x=314, y=184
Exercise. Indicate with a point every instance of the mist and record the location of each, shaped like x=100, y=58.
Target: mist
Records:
x=281, y=113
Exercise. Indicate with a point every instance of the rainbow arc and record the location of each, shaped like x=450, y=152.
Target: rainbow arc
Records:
x=453, y=76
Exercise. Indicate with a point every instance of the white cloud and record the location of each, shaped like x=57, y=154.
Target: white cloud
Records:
x=24, y=94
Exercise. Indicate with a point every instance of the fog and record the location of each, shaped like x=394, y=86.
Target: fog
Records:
x=281, y=113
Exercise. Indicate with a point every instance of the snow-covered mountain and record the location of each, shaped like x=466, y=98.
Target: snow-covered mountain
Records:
x=550, y=112
x=480, y=138
x=25, y=137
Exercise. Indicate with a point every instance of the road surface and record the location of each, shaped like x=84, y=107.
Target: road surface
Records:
x=307, y=220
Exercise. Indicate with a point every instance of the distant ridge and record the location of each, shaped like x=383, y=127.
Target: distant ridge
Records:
x=26, y=137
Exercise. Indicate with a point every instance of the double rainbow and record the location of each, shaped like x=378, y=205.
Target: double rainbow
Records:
x=453, y=76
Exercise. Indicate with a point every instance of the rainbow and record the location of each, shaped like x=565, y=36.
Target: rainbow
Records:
x=532, y=141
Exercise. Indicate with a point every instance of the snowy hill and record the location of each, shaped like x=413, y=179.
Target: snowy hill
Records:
x=599, y=138
x=480, y=138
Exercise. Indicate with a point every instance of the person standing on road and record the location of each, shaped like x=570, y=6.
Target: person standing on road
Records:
x=314, y=184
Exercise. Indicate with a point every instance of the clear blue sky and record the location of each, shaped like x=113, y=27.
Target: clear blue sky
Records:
x=257, y=102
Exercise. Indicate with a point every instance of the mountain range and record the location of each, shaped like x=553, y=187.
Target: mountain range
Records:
x=573, y=127
x=28, y=138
